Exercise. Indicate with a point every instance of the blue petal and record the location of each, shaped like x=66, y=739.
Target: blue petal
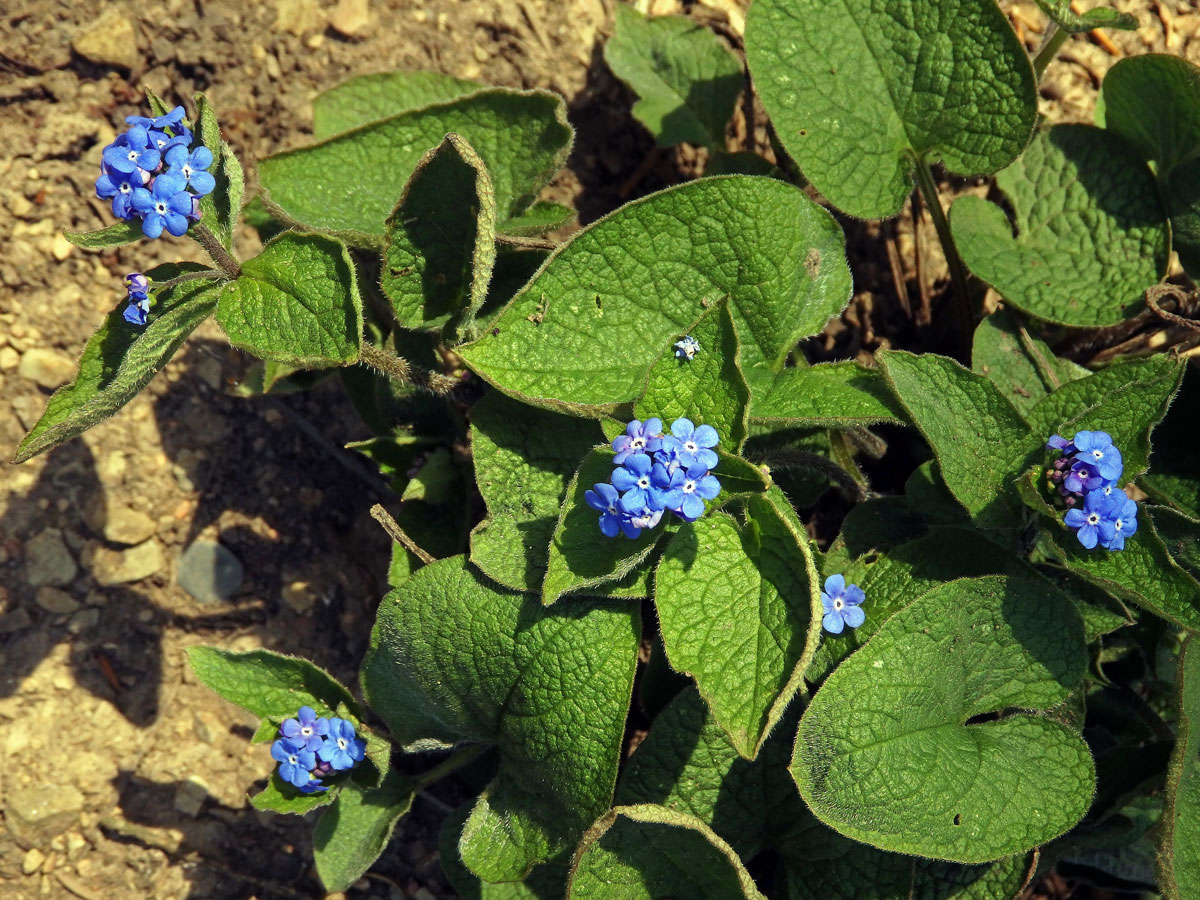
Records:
x=706, y=436
x=833, y=623
x=854, y=616
x=835, y=585
x=203, y=183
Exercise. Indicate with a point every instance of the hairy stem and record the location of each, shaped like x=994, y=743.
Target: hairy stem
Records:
x=206, y=275
x=402, y=370
x=398, y=534
x=444, y=768
x=222, y=257
x=958, y=272
x=802, y=459
x=1055, y=38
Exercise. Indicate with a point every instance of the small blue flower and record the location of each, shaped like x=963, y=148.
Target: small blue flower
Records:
x=295, y=762
x=841, y=603
x=686, y=491
x=686, y=348
x=604, y=497
x=169, y=206
x=1123, y=515
x=313, y=785
x=1095, y=523
x=1096, y=447
x=137, y=310
x=1082, y=477
x=646, y=518
x=191, y=167
x=633, y=480
x=306, y=729
x=1057, y=442
x=639, y=437
x=119, y=186
x=341, y=749
x=137, y=283
x=692, y=444
x=131, y=151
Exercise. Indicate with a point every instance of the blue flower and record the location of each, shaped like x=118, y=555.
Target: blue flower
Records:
x=633, y=480
x=167, y=206
x=191, y=167
x=841, y=604
x=645, y=518
x=1082, y=477
x=1095, y=523
x=295, y=762
x=1057, y=442
x=686, y=348
x=639, y=437
x=137, y=283
x=684, y=492
x=313, y=785
x=691, y=445
x=341, y=748
x=1123, y=515
x=306, y=729
x=131, y=151
x=120, y=187
x=604, y=497
x=1096, y=447
x=136, y=311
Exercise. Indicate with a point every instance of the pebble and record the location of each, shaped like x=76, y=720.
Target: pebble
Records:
x=36, y=814
x=300, y=596
x=209, y=572
x=350, y=17
x=84, y=621
x=112, y=470
x=190, y=796
x=47, y=367
x=110, y=41
x=56, y=601
x=111, y=567
x=16, y=620
x=9, y=358
x=33, y=861
x=124, y=525
x=61, y=248
x=207, y=727
x=48, y=561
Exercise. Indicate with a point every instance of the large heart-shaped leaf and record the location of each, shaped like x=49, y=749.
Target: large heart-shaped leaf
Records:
x=353, y=831
x=1019, y=363
x=830, y=395
x=380, y=95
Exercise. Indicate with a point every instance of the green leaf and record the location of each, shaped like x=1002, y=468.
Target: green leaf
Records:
x=367, y=98
x=854, y=90
x=1179, y=861
x=1174, y=476
x=270, y=685
x=709, y=388
x=441, y=240
x=114, y=235
x=979, y=439
x=352, y=832
x=649, y=852
x=547, y=881
x=1060, y=12
x=543, y=216
x=737, y=608
x=1020, y=364
x=454, y=659
x=589, y=326
x=524, y=459
x=297, y=303
x=219, y=210
x=1183, y=204
x=118, y=361
x=1091, y=230
x=884, y=753
x=833, y=395
x=686, y=79
x=522, y=137
x=280, y=797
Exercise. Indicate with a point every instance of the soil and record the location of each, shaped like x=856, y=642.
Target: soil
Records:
x=94, y=691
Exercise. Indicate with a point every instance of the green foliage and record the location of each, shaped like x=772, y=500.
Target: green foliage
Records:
x=296, y=303
x=1179, y=860
x=857, y=92
x=884, y=753
x=686, y=80
x=280, y=797
x=269, y=685
x=368, y=98
x=836, y=395
x=1020, y=364
x=1174, y=476
x=114, y=235
x=219, y=210
x=353, y=831
x=543, y=216
x=1064, y=17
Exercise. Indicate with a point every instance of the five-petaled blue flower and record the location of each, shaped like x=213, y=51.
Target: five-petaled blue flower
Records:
x=1096, y=447
x=604, y=498
x=192, y=167
x=341, y=749
x=131, y=151
x=119, y=186
x=693, y=445
x=306, y=730
x=1123, y=515
x=167, y=206
x=634, y=482
x=841, y=603
x=639, y=437
x=685, y=491
x=1095, y=523
x=295, y=762
x=686, y=348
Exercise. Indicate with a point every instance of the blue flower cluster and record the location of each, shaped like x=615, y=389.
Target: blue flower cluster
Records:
x=138, y=287
x=1087, y=476
x=147, y=171
x=310, y=748
x=842, y=604
x=654, y=473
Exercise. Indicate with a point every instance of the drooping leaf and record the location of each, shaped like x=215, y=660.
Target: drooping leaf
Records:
x=521, y=136
x=524, y=459
x=1179, y=859
x=1060, y=12
x=978, y=437
x=280, y=797
x=352, y=832
x=884, y=753
x=269, y=685
x=589, y=326
x=114, y=235
x=547, y=881
x=686, y=80
x=297, y=303
x=647, y=852
x=219, y=210
x=708, y=389
x=441, y=241
x=118, y=361
x=455, y=659
x=855, y=89
x=1091, y=230
x=834, y=395
x=368, y=98
x=1019, y=363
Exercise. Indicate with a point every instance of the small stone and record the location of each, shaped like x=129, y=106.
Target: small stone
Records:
x=190, y=796
x=111, y=567
x=209, y=572
x=300, y=596
x=48, y=367
x=207, y=727
x=33, y=861
x=84, y=621
x=350, y=17
x=112, y=470
x=48, y=561
x=61, y=248
x=76, y=843
x=56, y=601
x=9, y=358
x=19, y=206
x=128, y=526
x=16, y=620
x=110, y=41
x=36, y=814
x=299, y=16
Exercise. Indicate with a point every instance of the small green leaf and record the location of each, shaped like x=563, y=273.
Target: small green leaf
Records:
x=297, y=303
x=114, y=235
x=455, y=659
x=352, y=832
x=368, y=98
x=884, y=753
x=1060, y=12
x=118, y=361
x=1179, y=859
x=830, y=395
x=649, y=852
x=1019, y=363
x=524, y=459
x=269, y=685
x=708, y=389
x=1091, y=230
x=979, y=439
x=585, y=331
x=280, y=797
x=522, y=137
x=219, y=210
x=547, y=881
x=441, y=240
x=854, y=90
x=686, y=79
x=543, y=216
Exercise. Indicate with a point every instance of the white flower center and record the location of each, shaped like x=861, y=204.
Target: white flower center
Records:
x=133, y=155
x=689, y=487
x=306, y=730
x=690, y=446
x=292, y=759
x=839, y=604
x=187, y=171
x=125, y=187
x=637, y=443
x=341, y=742
x=160, y=208
x=1093, y=519
x=643, y=482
